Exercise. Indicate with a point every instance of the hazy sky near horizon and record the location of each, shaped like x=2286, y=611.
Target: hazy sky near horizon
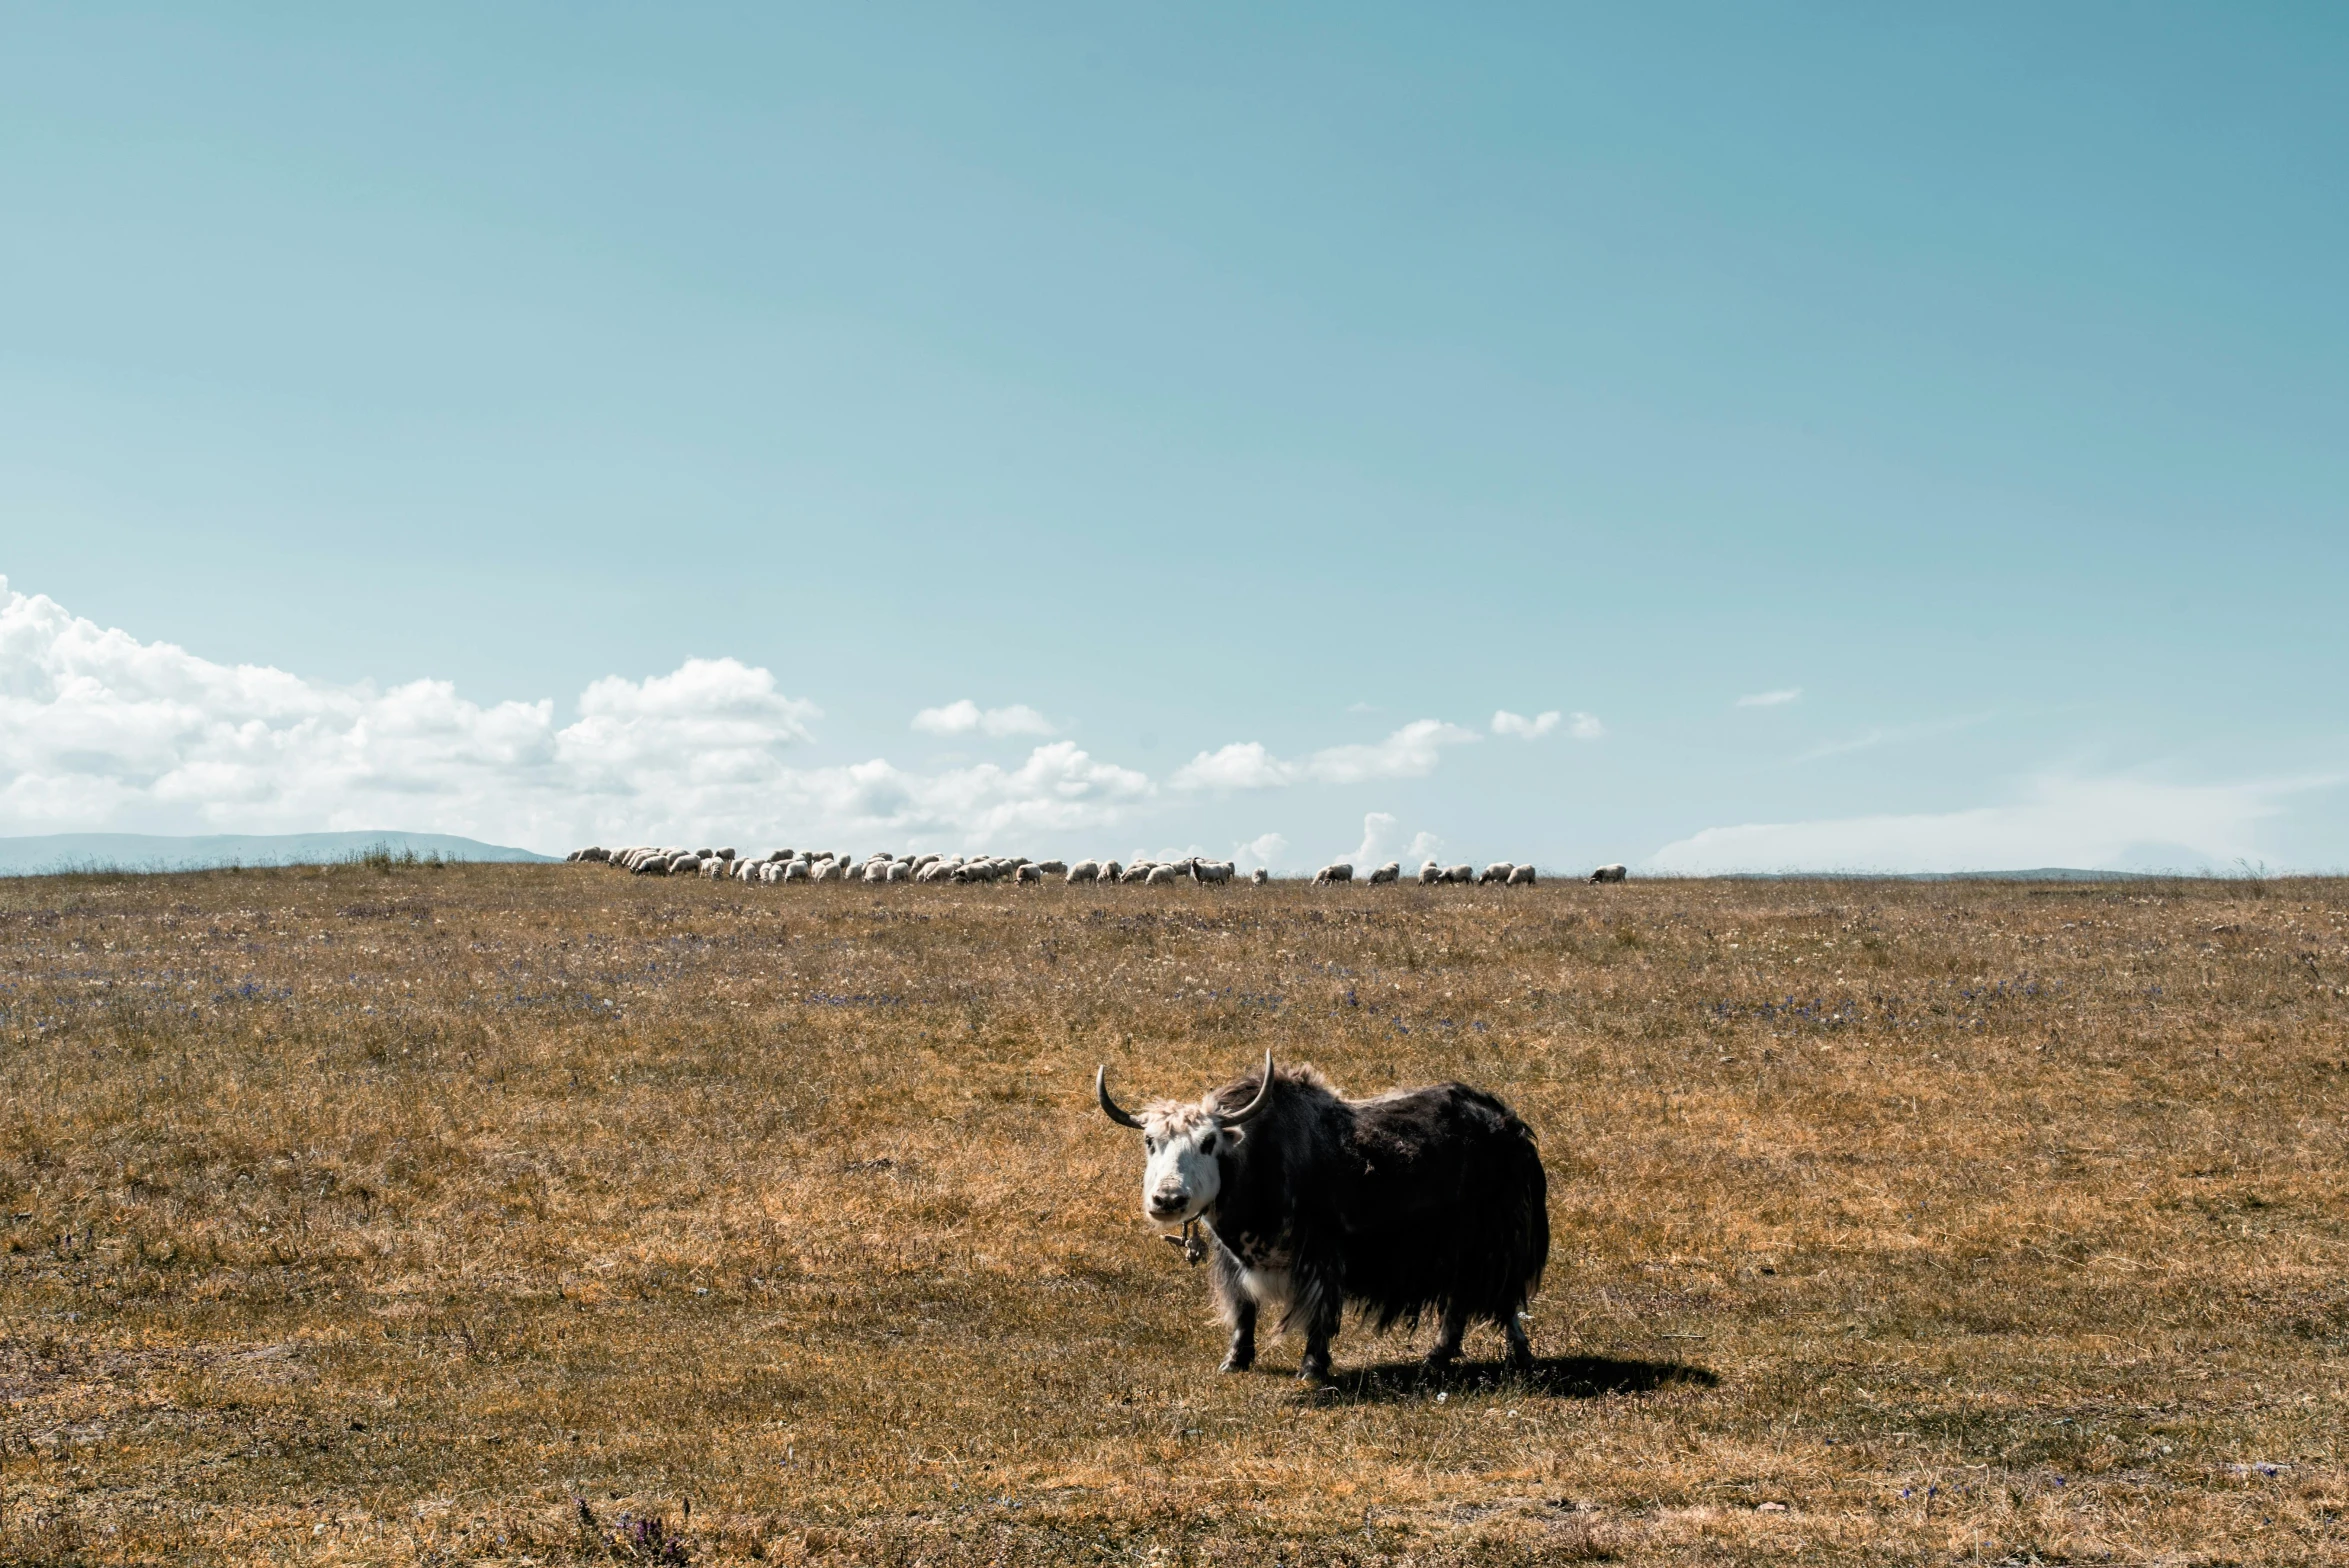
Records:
x=1702, y=436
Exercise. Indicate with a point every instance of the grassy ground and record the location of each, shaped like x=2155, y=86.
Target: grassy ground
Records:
x=393, y=1214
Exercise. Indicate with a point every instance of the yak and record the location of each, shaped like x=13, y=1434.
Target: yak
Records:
x=1428, y=1200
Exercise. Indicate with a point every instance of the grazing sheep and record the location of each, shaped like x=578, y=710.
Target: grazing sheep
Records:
x=1522, y=876
x=1028, y=871
x=1392, y=871
x=1111, y=871
x=1083, y=871
x=1460, y=873
x=1160, y=876
x=1430, y=874
x=1259, y=876
x=1498, y=871
x=1139, y=871
x=1610, y=873
x=1052, y=868
x=726, y=854
x=1335, y=871
x=1213, y=872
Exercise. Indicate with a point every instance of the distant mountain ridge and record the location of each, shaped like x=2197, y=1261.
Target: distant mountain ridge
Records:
x=54, y=852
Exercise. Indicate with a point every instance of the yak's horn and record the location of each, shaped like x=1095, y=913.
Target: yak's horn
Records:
x=1263, y=1097
x=1114, y=1111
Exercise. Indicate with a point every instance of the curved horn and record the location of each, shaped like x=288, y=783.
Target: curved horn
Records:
x=1263, y=1097
x=1115, y=1112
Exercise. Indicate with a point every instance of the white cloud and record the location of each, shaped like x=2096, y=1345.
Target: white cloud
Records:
x=1424, y=847
x=1265, y=849
x=1241, y=765
x=2096, y=824
x=1586, y=726
x=1377, y=826
x=1409, y=753
x=966, y=716
x=100, y=730
x=1517, y=724
x=1771, y=699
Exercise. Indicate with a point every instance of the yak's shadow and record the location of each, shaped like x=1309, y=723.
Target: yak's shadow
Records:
x=1560, y=1377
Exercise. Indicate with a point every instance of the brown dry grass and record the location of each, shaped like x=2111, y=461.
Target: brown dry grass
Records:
x=355, y=1216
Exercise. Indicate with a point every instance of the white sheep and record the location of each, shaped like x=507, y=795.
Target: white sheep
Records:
x=1335, y=871
x=1522, y=876
x=1460, y=873
x=1615, y=873
x=1390, y=872
x=1430, y=874
x=1162, y=875
x=1213, y=873
x=1259, y=876
x=1083, y=871
x=1498, y=871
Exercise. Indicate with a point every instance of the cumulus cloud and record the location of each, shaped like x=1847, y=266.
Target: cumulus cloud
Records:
x=1424, y=847
x=1241, y=765
x=1517, y=724
x=1378, y=829
x=967, y=717
x=1770, y=699
x=1265, y=849
x=1409, y=753
x=2092, y=823
x=1585, y=726
x=101, y=730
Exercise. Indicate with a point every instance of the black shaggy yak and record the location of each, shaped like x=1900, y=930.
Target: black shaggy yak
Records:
x=1417, y=1201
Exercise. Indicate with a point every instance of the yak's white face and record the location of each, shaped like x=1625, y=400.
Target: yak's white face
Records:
x=1183, y=1170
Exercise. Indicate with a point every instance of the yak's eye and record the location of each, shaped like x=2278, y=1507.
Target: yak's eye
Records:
x=1207, y=1144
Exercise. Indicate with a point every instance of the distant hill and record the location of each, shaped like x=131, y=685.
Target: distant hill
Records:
x=51, y=852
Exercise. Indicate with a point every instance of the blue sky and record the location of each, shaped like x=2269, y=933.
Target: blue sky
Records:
x=1197, y=378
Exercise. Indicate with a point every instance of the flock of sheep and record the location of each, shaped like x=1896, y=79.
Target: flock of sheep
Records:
x=786, y=865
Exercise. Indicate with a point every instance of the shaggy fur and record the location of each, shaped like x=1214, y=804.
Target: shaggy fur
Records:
x=1421, y=1200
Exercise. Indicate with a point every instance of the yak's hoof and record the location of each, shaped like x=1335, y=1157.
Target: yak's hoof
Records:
x=1236, y=1362
x=1313, y=1371
x=1443, y=1356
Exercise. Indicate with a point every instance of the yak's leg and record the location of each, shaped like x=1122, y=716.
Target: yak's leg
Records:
x=1520, y=1348
x=1237, y=1308
x=1447, y=1349
x=1322, y=1307
x=1242, y=1354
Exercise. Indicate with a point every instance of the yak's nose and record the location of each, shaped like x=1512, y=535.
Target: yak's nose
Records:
x=1165, y=1201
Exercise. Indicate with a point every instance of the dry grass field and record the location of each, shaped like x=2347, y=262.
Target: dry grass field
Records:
x=545, y=1214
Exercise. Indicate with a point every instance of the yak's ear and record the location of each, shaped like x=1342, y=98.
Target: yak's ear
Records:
x=1233, y=1134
